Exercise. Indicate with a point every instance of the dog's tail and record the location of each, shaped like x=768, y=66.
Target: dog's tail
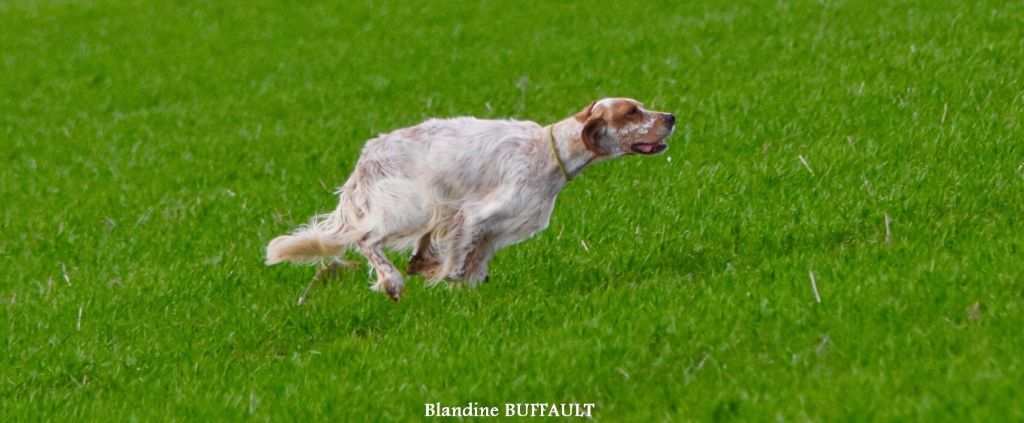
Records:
x=324, y=236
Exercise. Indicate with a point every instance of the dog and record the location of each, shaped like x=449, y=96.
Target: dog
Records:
x=457, y=190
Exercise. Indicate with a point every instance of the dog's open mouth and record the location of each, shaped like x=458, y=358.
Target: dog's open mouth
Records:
x=648, y=148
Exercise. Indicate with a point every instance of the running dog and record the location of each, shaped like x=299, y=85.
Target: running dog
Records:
x=457, y=190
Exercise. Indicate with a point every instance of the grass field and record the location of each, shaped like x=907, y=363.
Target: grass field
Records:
x=151, y=149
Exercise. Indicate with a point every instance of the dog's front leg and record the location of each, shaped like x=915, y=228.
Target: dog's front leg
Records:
x=426, y=262
x=471, y=259
x=467, y=240
x=476, y=261
x=454, y=240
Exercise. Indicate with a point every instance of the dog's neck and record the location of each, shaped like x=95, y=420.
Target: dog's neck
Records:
x=570, y=147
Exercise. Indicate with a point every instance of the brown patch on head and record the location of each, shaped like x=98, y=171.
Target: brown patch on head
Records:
x=625, y=112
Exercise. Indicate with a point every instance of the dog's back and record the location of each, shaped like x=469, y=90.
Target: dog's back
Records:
x=454, y=158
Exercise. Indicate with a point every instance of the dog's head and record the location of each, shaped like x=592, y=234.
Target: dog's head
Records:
x=617, y=126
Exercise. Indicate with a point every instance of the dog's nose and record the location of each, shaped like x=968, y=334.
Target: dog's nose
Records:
x=670, y=119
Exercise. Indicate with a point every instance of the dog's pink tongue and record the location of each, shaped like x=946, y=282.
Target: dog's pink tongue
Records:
x=645, y=148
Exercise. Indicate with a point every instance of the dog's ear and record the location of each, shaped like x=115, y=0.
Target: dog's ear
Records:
x=584, y=114
x=591, y=130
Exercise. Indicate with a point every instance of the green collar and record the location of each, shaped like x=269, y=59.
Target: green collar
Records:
x=554, y=152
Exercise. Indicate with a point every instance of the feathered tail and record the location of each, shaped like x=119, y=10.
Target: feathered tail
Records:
x=324, y=236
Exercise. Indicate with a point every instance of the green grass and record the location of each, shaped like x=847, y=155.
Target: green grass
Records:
x=152, y=148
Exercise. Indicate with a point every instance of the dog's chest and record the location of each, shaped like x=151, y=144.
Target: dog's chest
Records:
x=523, y=220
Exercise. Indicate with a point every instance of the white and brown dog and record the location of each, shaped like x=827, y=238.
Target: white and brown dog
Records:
x=457, y=190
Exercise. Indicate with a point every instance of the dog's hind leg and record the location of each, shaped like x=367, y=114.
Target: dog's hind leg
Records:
x=387, y=211
x=389, y=279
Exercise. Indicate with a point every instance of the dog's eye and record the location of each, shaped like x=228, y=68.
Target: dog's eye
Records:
x=635, y=111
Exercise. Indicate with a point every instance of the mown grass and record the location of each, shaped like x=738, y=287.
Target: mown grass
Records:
x=151, y=149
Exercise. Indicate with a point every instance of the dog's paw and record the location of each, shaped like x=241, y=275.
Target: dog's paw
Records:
x=395, y=294
x=394, y=289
